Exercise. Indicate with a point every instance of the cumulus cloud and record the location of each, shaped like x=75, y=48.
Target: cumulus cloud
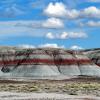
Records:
x=58, y=9
x=91, y=12
x=77, y=35
x=72, y=14
x=75, y=47
x=66, y=35
x=53, y=23
x=93, y=23
x=50, y=35
x=26, y=46
x=90, y=24
x=27, y=27
x=48, y=45
x=21, y=26
x=49, y=23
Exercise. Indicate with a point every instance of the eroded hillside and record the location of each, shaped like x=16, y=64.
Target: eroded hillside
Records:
x=47, y=62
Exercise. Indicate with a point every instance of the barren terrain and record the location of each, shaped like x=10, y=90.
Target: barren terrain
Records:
x=73, y=89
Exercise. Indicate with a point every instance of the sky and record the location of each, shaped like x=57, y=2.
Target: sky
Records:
x=71, y=24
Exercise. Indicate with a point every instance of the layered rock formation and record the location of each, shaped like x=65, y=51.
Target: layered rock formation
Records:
x=94, y=55
x=45, y=62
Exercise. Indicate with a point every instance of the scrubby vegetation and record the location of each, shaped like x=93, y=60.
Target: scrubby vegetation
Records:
x=72, y=88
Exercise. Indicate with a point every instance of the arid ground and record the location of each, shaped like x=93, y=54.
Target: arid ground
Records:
x=80, y=88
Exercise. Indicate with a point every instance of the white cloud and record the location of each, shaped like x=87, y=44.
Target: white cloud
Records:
x=91, y=12
x=93, y=23
x=18, y=28
x=90, y=24
x=47, y=45
x=53, y=23
x=49, y=23
x=66, y=35
x=72, y=14
x=77, y=35
x=9, y=28
x=26, y=46
x=57, y=10
x=60, y=10
x=75, y=47
x=21, y=27
x=50, y=35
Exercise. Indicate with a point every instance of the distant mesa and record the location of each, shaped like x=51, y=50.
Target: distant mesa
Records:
x=40, y=63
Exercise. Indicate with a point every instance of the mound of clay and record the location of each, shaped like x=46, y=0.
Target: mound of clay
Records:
x=94, y=55
x=45, y=62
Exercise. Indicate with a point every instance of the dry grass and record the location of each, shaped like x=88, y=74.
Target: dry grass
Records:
x=72, y=88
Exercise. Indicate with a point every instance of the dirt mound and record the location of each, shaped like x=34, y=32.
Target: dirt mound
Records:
x=45, y=62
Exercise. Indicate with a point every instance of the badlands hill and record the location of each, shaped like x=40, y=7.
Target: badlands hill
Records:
x=40, y=63
x=94, y=55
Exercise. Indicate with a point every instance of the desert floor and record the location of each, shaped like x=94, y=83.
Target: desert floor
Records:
x=73, y=89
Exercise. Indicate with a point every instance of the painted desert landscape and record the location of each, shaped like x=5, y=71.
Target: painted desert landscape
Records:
x=49, y=73
x=49, y=49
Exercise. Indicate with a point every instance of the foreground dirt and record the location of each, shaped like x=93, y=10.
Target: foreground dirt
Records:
x=43, y=96
x=79, y=86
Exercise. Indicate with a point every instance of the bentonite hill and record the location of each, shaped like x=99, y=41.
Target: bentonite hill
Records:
x=42, y=63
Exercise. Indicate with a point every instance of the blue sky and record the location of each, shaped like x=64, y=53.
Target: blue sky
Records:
x=50, y=23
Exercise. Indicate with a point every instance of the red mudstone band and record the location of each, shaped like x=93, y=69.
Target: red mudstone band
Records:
x=46, y=61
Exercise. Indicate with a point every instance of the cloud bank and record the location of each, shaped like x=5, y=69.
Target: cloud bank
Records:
x=58, y=9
